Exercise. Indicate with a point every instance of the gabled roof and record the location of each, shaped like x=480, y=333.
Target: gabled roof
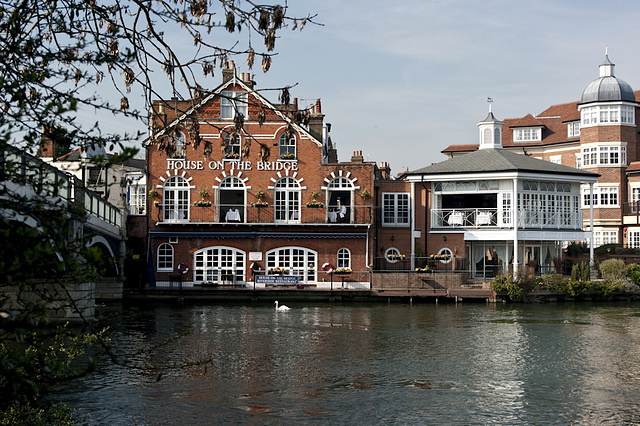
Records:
x=231, y=82
x=498, y=160
x=554, y=121
x=526, y=121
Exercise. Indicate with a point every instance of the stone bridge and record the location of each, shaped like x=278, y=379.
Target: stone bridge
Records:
x=91, y=220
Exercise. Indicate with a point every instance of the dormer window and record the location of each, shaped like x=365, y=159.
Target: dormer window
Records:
x=232, y=104
x=573, y=129
x=527, y=134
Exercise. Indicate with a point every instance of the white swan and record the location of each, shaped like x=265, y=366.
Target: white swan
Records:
x=281, y=308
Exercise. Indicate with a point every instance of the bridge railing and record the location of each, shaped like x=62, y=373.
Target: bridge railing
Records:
x=23, y=169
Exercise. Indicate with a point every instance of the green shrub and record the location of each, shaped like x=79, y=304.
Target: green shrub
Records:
x=613, y=270
x=507, y=283
x=555, y=283
x=633, y=272
x=581, y=272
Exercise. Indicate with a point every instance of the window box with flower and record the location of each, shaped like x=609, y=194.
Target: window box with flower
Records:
x=288, y=156
x=231, y=155
x=277, y=271
x=396, y=256
x=204, y=194
x=260, y=197
x=315, y=205
x=342, y=271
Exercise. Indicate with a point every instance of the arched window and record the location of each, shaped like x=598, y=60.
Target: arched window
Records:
x=340, y=192
x=220, y=265
x=294, y=261
x=232, y=142
x=165, y=257
x=287, y=200
x=175, y=202
x=287, y=146
x=232, y=199
x=344, y=259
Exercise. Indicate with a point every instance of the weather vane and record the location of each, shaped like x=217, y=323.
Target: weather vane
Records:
x=489, y=101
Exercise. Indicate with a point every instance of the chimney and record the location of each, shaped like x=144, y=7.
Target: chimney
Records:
x=229, y=72
x=385, y=170
x=316, y=121
x=357, y=157
x=47, y=149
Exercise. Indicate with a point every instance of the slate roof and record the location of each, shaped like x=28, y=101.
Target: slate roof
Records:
x=497, y=160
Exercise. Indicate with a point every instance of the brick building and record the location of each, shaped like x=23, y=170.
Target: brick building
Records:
x=483, y=212
x=247, y=192
x=598, y=134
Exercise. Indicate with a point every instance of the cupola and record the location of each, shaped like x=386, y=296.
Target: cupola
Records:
x=607, y=87
x=490, y=131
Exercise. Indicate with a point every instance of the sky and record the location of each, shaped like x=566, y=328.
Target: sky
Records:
x=402, y=80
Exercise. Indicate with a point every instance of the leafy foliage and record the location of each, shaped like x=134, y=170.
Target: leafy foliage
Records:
x=613, y=270
x=59, y=58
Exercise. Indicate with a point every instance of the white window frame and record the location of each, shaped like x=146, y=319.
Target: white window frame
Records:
x=295, y=261
x=176, y=199
x=233, y=102
x=396, y=210
x=604, y=236
x=286, y=197
x=633, y=238
x=607, y=115
x=603, y=196
x=213, y=264
x=137, y=198
x=339, y=211
x=391, y=251
x=232, y=146
x=573, y=129
x=232, y=183
x=343, y=258
x=602, y=155
x=555, y=159
x=287, y=146
x=164, y=258
x=527, y=134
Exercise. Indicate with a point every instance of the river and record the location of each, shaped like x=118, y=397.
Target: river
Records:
x=366, y=364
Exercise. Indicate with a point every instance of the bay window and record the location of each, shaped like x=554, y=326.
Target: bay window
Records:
x=603, y=156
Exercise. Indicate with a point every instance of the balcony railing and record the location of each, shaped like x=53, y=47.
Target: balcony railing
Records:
x=266, y=214
x=632, y=208
x=494, y=218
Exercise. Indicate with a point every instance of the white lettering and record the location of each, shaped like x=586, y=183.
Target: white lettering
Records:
x=260, y=165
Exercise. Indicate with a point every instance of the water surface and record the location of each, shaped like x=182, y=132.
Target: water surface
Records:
x=367, y=364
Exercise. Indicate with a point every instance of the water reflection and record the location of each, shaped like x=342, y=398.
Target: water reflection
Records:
x=453, y=364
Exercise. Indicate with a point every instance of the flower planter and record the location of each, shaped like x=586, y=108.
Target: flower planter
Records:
x=315, y=205
x=259, y=204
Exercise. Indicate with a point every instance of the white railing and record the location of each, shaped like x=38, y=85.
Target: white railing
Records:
x=494, y=218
